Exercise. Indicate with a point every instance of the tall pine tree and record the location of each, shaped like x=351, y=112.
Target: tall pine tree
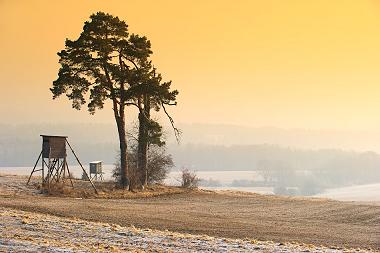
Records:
x=101, y=65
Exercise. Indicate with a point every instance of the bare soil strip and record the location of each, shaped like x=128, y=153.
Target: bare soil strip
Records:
x=231, y=215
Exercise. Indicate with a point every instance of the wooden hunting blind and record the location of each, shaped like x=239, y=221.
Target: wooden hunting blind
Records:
x=54, y=160
x=96, y=170
x=54, y=146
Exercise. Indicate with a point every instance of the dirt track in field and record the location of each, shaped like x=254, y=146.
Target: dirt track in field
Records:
x=233, y=215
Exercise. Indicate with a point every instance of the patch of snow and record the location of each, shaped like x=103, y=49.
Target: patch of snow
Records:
x=368, y=192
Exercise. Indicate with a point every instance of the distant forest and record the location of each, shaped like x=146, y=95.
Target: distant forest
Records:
x=329, y=167
x=290, y=171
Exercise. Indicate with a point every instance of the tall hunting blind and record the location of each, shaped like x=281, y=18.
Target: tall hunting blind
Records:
x=54, y=160
x=53, y=146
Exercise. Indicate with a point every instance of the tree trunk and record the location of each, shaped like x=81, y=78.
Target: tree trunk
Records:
x=142, y=149
x=123, y=152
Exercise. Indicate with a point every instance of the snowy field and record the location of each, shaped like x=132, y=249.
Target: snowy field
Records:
x=30, y=232
x=367, y=193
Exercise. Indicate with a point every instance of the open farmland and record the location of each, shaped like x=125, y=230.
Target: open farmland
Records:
x=220, y=214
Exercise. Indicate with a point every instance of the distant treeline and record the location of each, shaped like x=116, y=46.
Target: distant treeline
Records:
x=20, y=146
x=254, y=157
x=310, y=170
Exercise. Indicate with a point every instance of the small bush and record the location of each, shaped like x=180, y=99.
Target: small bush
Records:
x=158, y=166
x=133, y=176
x=189, y=179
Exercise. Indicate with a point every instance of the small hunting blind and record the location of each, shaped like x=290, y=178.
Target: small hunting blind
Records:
x=54, y=158
x=96, y=169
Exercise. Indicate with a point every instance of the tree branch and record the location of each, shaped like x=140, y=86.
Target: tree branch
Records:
x=177, y=132
x=130, y=103
x=131, y=136
x=131, y=61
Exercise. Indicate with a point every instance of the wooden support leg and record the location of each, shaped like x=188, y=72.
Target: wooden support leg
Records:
x=84, y=171
x=34, y=168
x=62, y=170
x=43, y=171
x=68, y=171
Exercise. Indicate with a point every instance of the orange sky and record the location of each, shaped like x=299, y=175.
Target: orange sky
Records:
x=283, y=63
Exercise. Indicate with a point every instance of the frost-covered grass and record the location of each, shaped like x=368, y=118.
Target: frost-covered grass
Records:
x=31, y=232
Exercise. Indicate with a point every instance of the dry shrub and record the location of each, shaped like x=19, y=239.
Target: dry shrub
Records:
x=65, y=189
x=158, y=166
x=53, y=188
x=108, y=190
x=189, y=179
x=133, y=176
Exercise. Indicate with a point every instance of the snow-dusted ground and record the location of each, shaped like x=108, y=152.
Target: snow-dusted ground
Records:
x=368, y=192
x=30, y=232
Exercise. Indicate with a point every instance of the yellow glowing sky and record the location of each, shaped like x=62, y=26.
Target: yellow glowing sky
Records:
x=283, y=63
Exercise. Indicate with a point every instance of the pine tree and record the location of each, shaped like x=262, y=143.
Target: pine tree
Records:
x=104, y=63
